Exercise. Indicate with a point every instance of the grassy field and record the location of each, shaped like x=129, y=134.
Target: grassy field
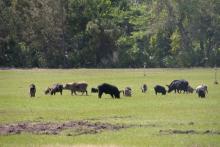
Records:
x=154, y=119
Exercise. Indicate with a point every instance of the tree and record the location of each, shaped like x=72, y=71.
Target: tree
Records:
x=109, y=33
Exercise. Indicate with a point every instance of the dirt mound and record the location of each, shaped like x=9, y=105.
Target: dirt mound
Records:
x=72, y=127
x=170, y=131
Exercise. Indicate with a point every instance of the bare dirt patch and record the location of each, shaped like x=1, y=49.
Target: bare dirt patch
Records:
x=72, y=127
x=170, y=132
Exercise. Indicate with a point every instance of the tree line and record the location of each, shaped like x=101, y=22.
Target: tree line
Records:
x=109, y=33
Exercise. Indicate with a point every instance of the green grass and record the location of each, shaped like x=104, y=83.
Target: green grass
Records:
x=173, y=111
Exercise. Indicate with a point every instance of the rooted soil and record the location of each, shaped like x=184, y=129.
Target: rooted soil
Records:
x=170, y=131
x=72, y=127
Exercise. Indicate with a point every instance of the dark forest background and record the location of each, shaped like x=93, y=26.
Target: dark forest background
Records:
x=109, y=33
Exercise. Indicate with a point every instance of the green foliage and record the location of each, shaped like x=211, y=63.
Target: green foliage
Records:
x=109, y=33
x=175, y=41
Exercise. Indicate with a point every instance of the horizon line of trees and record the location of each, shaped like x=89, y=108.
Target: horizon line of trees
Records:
x=109, y=33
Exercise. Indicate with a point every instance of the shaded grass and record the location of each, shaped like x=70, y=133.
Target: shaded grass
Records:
x=157, y=113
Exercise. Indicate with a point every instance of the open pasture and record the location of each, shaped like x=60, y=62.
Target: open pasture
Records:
x=147, y=119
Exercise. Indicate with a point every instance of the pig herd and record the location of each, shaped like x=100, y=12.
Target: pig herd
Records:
x=177, y=86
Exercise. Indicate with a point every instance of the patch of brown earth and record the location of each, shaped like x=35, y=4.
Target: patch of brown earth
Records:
x=79, y=128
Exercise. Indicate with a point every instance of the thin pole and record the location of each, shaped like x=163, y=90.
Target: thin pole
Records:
x=215, y=82
x=144, y=69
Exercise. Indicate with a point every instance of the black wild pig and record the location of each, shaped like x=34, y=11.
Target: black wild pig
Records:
x=160, y=89
x=94, y=90
x=144, y=88
x=32, y=90
x=178, y=85
x=53, y=90
x=108, y=89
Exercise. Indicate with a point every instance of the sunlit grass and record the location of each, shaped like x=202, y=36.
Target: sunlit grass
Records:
x=172, y=111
